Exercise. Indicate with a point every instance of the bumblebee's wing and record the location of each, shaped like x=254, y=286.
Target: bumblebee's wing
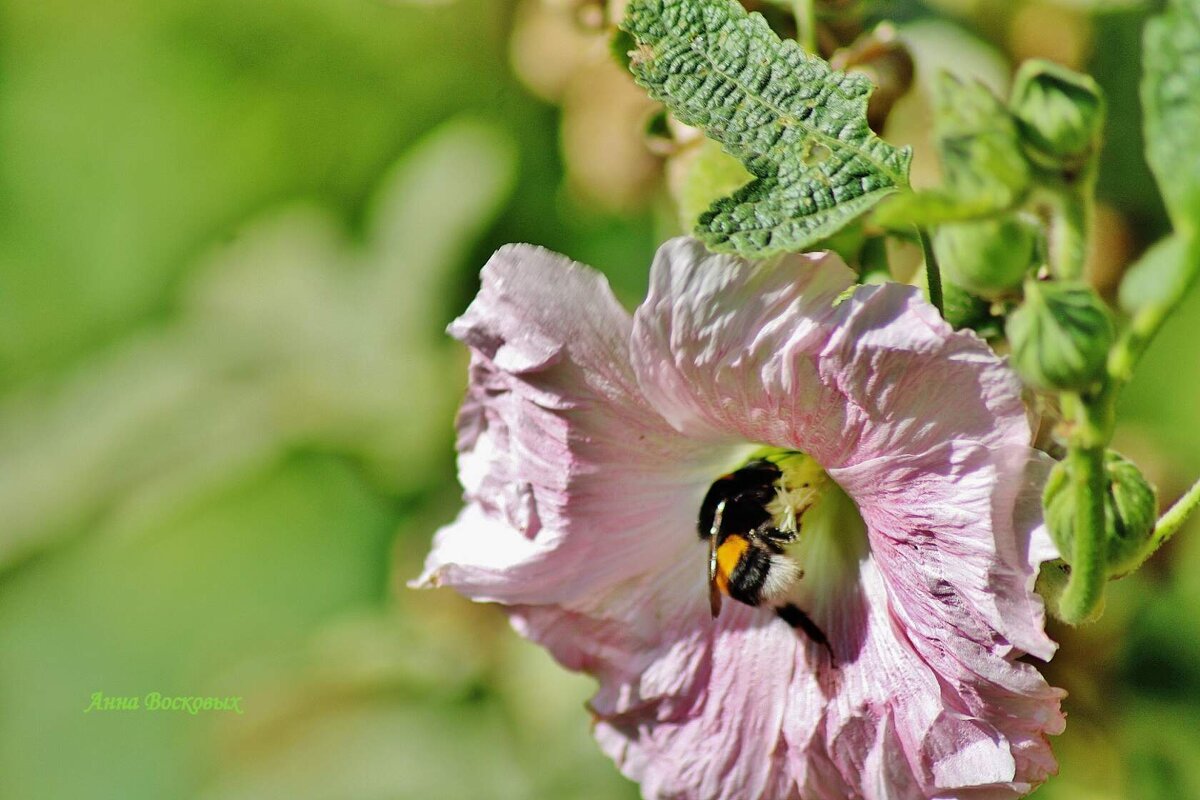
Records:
x=714, y=593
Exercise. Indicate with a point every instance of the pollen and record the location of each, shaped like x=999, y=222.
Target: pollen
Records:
x=797, y=490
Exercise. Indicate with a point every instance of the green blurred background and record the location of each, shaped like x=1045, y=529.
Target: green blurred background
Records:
x=232, y=235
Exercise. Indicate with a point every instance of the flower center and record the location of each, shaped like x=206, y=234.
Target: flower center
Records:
x=781, y=533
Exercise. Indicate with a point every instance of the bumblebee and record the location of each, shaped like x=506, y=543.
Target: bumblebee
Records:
x=749, y=517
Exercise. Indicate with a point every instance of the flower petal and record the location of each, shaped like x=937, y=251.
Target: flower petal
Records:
x=557, y=444
x=746, y=707
x=893, y=725
x=727, y=749
x=763, y=352
x=646, y=641
x=943, y=526
x=955, y=536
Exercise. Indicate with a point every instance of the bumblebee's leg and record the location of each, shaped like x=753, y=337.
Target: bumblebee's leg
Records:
x=798, y=619
x=773, y=537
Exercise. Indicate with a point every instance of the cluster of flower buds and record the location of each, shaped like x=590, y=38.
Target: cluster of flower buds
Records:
x=1060, y=331
x=1024, y=266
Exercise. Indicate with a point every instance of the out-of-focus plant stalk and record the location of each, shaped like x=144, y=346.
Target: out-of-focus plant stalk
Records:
x=933, y=275
x=1125, y=356
x=806, y=24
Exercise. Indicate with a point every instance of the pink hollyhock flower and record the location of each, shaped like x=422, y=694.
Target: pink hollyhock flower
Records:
x=909, y=532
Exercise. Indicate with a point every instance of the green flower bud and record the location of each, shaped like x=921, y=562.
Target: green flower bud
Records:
x=1052, y=580
x=1060, y=336
x=1135, y=513
x=1130, y=512
x=1060, y=112
x=963, y=309
x=988, y=258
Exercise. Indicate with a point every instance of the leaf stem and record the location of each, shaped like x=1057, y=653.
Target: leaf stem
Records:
x=1173, y=520
x=933, y=274
x=806, y=25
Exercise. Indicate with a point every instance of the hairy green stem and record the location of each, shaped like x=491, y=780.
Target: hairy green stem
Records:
x=1175, y=517
x=1172, y=521
x=933, y=274
x=1070, y=205
x=1082, y=598
x=806, y=24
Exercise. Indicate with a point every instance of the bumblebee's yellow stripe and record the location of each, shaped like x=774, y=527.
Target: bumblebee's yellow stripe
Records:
x=728, y=555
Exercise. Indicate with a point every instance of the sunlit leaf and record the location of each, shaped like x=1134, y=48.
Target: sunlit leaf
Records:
x=798, y=126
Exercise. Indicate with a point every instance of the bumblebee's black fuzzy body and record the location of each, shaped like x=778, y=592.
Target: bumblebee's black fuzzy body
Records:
x=745, y=543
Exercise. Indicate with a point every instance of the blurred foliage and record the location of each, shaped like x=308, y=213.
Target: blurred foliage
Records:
x=232, y=236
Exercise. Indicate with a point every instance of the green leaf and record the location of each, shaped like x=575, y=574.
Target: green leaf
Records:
x=798, y=126
x=1171, y=98
x=979, y=147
